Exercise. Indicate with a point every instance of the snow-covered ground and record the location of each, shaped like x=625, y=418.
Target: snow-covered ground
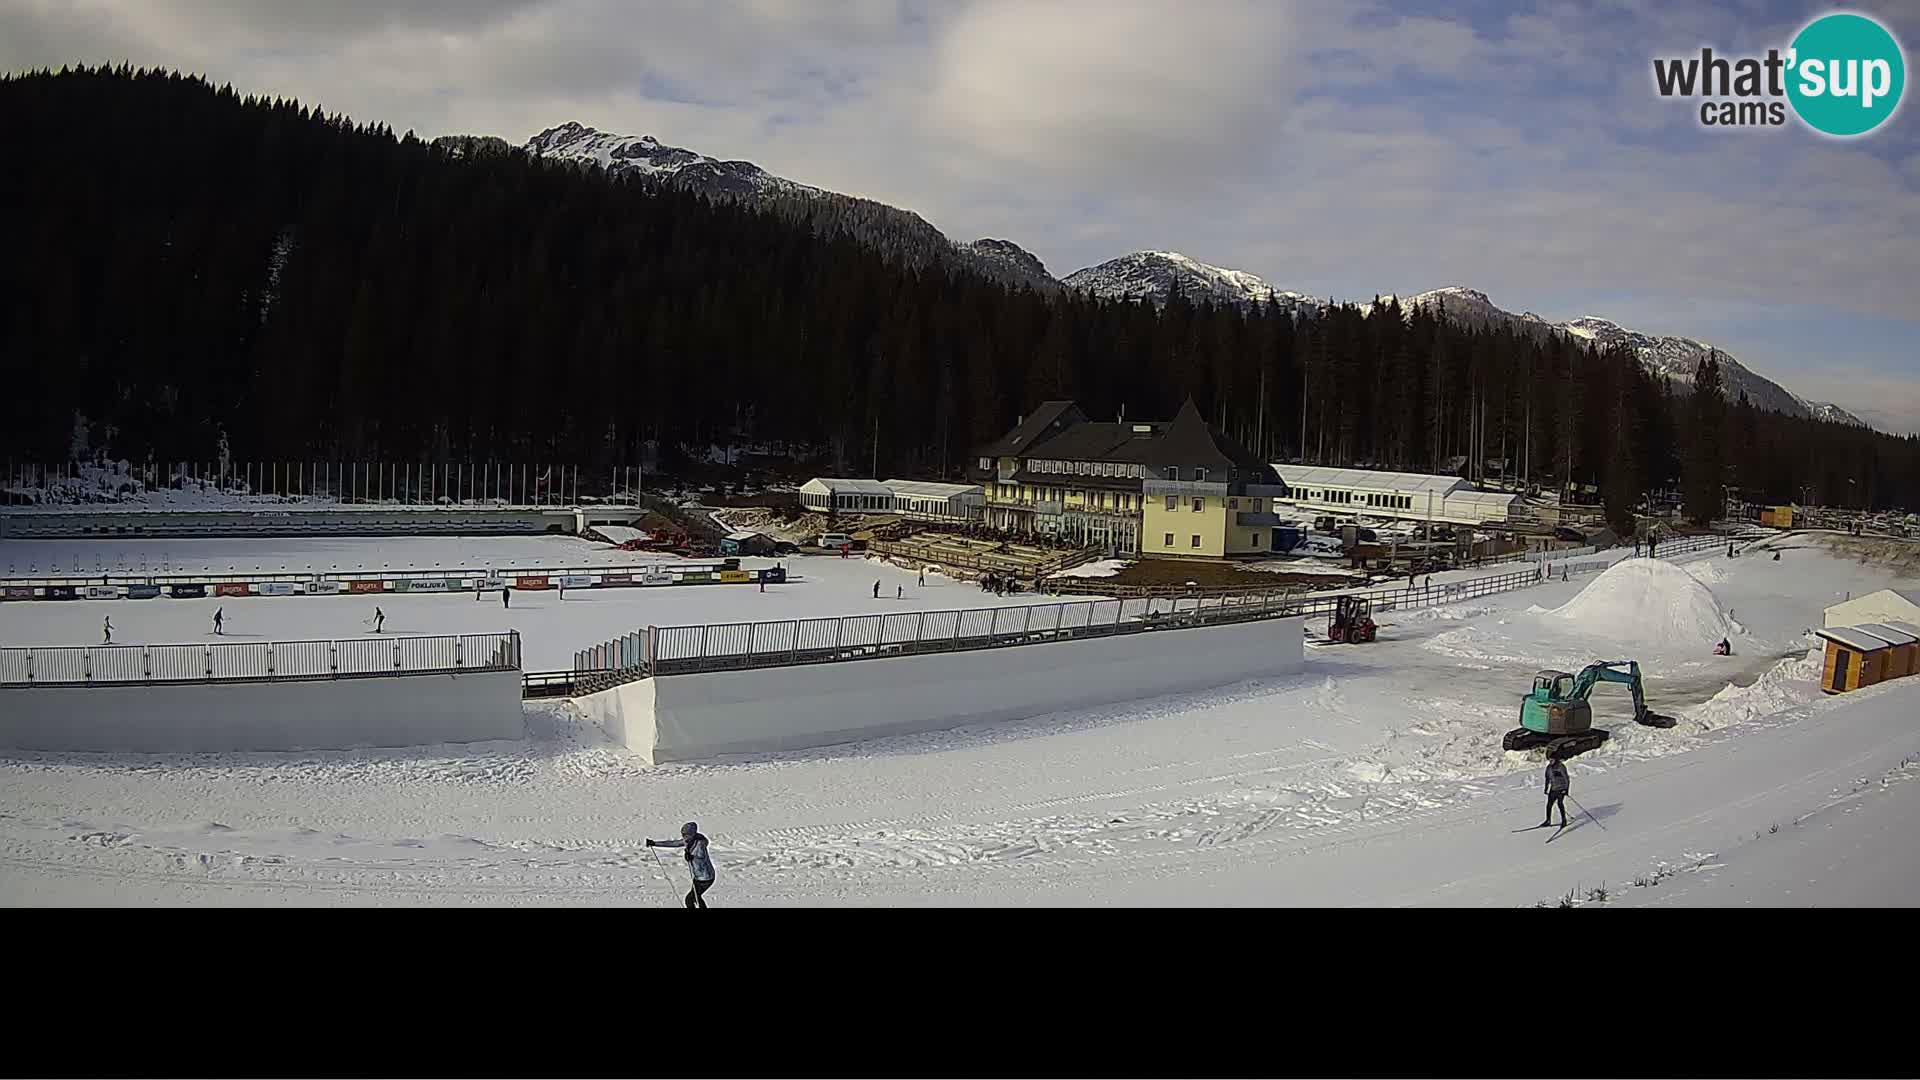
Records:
x=551, y=628
x=1376, y=778
x=1098, y=568
x=299, y=555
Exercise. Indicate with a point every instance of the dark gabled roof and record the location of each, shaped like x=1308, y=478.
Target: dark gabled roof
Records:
x=1102, y=441
x=1043, y=421
x=1191, y=441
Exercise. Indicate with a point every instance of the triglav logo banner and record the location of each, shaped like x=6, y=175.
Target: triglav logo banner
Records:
x=1843, y=75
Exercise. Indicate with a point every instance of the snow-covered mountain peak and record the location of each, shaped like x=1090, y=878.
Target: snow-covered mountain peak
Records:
x=647, y=156
x=1152, y=275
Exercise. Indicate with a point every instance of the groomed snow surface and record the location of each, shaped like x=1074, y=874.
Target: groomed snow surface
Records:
x=1375, y=778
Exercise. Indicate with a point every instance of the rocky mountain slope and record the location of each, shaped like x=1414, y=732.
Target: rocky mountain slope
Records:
x=1152, y=275
x=899, y=234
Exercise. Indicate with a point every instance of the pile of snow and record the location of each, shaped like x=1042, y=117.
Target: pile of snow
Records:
x=1787, y=685
x=1095, y=569
x=1706, y=571
x=620, y=534
x=1300, y=566
x=1651, y=603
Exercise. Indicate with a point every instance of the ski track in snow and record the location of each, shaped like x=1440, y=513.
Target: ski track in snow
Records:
x=1388, y=737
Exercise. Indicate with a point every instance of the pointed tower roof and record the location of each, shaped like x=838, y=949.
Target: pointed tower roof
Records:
x=1192, y=442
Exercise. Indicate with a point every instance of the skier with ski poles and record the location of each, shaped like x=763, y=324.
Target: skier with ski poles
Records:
x=379, y=620
x=699, y=865
x=1558, y=784
x=219, y=618
x=108, y=628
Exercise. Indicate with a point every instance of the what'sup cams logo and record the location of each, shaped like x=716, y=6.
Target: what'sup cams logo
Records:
x=1843, y=75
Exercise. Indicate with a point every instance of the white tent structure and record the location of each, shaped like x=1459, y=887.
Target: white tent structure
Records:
x=918, y=498
x=835, y=496
x=1885, y=606
x=943, y=502
x=1407, y=496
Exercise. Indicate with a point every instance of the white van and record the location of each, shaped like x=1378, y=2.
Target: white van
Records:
x=835, y=541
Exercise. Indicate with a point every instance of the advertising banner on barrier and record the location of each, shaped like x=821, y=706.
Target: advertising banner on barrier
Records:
x=18, y=592
x=366, y=586
x=616, y=579
x=61, y=592
x=575, y=581
x=233, y=588
x=103, y=592
x=420, y=585
x=142, y=592
x=696, y=577
x=493, y=583
x=188, y=592
x=322, y=588
x=276, y=588
x=774, y=575
x=657, y=577
x=530, y=582
x=733, y=577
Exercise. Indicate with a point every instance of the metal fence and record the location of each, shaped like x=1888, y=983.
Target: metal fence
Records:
x=262, y=661
x=676, y=650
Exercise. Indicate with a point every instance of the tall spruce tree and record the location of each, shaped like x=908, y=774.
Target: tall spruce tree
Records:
x=1703, y=493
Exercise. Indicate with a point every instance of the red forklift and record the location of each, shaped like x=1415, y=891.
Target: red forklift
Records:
x=1352, y=622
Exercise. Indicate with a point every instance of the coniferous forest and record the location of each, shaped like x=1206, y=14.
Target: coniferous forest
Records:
x=179, y=262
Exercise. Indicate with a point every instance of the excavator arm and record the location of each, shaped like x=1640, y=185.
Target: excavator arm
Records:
x=1613, y=671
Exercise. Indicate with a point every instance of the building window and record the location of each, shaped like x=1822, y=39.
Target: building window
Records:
x=1233, y=504
x=1256, y=538
x=986, y=463
x=1196, y=540
x=1199, y=504
x=1169, y=540
x=1173, y=504
x=1200, y=475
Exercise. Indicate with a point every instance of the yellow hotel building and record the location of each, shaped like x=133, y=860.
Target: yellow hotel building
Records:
x=1175, y=488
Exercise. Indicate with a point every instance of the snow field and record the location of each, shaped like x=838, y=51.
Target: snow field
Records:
x=551, y=629
x=1373, y=778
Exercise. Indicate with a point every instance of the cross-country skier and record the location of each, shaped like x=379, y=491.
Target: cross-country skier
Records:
x=923, y=575
x=899, y=591
x=698, y=864
x=379, y=620
x=506, y=596
x=563, y=590
x=108, y=628
x=219, y=617
x=876, y=590
x=1557, y=786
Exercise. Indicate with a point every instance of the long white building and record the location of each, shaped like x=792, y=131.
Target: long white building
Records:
x=1446, y=500
x=916, y=498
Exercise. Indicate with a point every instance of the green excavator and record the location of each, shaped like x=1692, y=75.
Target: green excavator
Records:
x=1556, y=714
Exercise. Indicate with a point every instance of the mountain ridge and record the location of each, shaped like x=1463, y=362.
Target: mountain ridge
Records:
x=1140, y=275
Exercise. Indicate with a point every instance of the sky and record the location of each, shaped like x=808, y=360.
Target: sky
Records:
x=1339, y=149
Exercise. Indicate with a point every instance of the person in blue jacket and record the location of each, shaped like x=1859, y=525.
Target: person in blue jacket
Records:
x=699, y=865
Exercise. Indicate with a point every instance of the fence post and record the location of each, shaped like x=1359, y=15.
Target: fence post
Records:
x=1027, y=626
x=333, y=657
x=29, y=665
x=209, y=661
x=920, y=631
x=146, y=661
x=269, y=658
x=459, y=652
x=703, y=643
x=396, y=656
x=993, y=625
x=86, y=664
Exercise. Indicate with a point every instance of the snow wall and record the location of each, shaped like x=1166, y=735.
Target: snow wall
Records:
x=688, y=717
x=303, y=714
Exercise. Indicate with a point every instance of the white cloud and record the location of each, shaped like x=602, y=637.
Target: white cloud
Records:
x=1121, y=94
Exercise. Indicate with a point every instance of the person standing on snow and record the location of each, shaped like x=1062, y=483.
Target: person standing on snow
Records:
x=219, y=617
x=699, y=865
x=506, y=596
x=899, y=591
x=876, y=590
x=108, y=628
x=1558, y=783
x=379, y=620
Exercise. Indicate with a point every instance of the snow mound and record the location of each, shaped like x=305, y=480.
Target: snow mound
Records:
x=1651, y=603
x=1706, y=571
x=1099, y=568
